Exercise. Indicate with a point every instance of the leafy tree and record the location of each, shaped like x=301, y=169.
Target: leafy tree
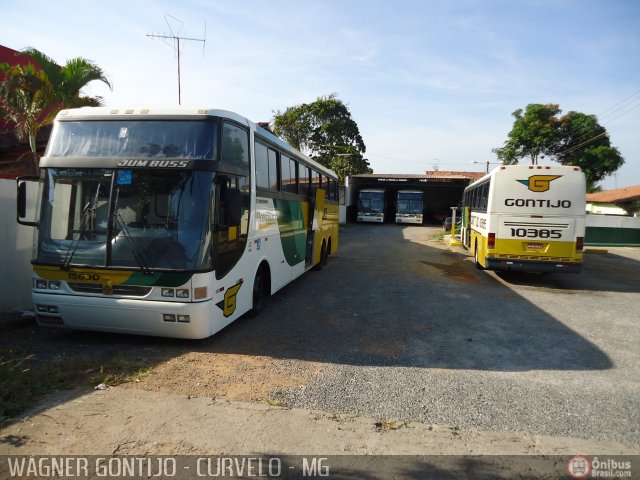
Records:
x=31, y=95
x=585, y=143
x=325, y=131
x=534, y=134
x=25, y=94
x=572, y=139
x=69, y=79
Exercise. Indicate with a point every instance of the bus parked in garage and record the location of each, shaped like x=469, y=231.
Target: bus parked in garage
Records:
x=409, y=206
x=526, y=217
x=371, y=205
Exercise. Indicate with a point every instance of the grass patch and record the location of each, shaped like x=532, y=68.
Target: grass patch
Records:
x=25, y=381
x=386, y=425
x=274, y=402
x=439, y=235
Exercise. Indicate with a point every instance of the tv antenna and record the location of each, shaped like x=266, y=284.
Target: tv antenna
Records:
x=435, y=165
x=173, y=40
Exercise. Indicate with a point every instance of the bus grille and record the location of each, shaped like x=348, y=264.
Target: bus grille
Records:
x=98, y=289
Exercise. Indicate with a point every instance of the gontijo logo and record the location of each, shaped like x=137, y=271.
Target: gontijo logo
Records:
x=539, y=183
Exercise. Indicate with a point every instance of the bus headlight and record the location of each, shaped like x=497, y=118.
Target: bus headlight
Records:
x=182, y=293
x=167, y=292
x=41, y=284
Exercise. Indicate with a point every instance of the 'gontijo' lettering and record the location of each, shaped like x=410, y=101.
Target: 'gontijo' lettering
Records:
x=537, y=203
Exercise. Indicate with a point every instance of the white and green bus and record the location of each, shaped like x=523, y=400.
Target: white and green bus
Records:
x=172, y=222
x=371, y=205
x=526, y=217
x=409, y=206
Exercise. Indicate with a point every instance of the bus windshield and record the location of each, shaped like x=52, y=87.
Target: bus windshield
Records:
x=371, y=202
x=134, y=218
x=192, y=139
x=409, y=202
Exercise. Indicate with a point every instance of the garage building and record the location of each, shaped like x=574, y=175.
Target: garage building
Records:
x=442, y=190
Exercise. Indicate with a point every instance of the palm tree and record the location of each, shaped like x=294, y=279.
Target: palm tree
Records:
x=68, y=80
x=25, y=95
x=31, y=97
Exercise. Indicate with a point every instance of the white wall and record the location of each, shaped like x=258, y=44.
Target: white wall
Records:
x=15, y=249
x=604, y=209
x=612, y=221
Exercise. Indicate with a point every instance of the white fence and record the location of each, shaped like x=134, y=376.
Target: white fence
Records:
x=15, y=249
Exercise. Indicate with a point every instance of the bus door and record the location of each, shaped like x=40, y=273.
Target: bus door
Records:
x=316, y=216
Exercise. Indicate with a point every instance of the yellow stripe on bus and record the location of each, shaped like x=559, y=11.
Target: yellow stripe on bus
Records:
x=85, y=275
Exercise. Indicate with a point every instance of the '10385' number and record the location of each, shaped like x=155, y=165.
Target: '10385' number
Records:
x=535, y=233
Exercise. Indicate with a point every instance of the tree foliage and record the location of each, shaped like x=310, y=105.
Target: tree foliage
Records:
x=25, y=95
x=31, y=95
x=325, y=131
x=572, y=139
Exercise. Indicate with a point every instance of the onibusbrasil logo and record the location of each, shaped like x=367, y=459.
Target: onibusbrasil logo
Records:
x=579, y=467
x=539, y=183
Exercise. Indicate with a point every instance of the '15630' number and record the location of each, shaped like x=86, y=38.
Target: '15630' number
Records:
x=535, y=233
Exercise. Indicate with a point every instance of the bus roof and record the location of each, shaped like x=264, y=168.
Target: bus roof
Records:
x=526, y=170
x=140, y=112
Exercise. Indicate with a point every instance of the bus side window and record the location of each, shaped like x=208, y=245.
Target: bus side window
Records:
x=289, y=180
x=273, y=169
x=235, y=148
x=262, y=165
x=315, y=182
x=305, y=179
x=294, y=175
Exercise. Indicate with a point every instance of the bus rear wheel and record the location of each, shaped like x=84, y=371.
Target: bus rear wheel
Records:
x=476, y=259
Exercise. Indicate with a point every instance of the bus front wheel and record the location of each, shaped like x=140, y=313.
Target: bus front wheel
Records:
x=259, y=293
x=324, y=257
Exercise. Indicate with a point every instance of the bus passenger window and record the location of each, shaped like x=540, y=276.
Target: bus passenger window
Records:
x=305, y=179
x=262, y=166
x=235, y=147
x=273, y=170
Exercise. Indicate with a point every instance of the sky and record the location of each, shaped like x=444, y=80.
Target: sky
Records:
x=430, y=83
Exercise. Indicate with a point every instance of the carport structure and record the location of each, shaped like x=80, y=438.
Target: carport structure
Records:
x=442, y=190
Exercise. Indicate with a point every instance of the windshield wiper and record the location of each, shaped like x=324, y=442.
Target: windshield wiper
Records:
x=84, y=221
x=117, y=220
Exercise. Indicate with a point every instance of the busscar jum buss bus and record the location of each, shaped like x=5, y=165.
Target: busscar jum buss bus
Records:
x=371, y=205
x=409, y=206
x=526, y=217
x=172, y=222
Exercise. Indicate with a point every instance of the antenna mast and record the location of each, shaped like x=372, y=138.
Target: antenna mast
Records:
x=175, y=43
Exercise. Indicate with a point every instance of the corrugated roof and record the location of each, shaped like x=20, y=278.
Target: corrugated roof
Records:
x=442, y=174
x=626, y=194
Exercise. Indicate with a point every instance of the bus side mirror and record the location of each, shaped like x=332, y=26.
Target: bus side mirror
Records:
x=21, y=185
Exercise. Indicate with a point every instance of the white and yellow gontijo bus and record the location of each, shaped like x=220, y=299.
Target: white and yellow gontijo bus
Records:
x=526, y=217
x=172, y=221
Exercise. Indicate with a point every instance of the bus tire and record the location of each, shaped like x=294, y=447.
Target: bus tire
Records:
x=478, y=265
x=324, y=254
x=323, y=257
x=259, y=291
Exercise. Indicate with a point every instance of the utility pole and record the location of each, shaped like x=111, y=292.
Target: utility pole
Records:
x=175, y=43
